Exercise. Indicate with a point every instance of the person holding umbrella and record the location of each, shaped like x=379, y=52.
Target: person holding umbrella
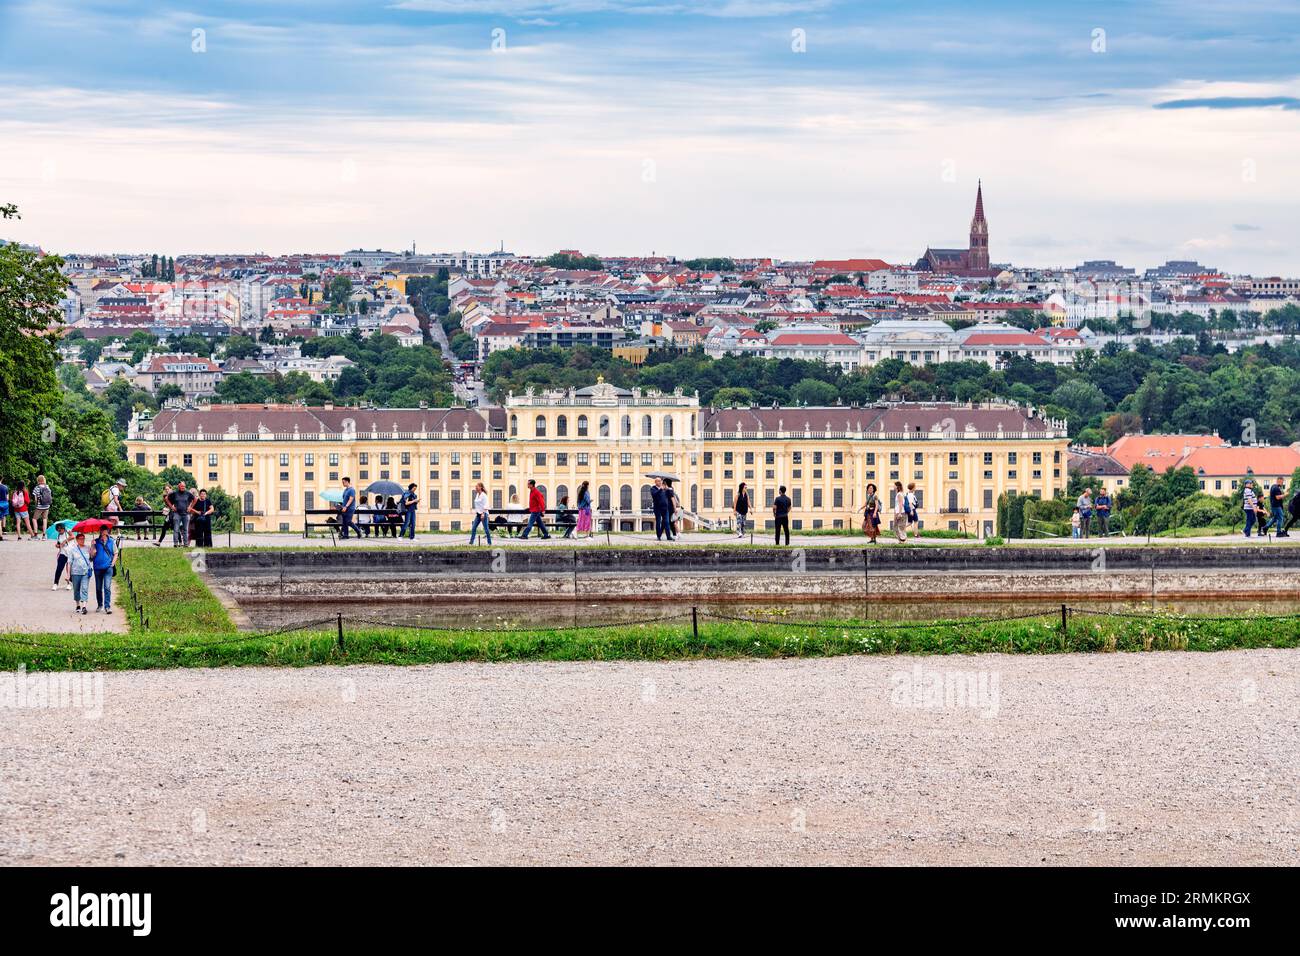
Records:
x=79, y=570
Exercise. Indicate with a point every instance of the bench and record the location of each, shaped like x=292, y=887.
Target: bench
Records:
x=513, y=520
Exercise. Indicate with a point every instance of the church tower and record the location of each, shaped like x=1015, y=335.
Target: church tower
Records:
x=978, y=256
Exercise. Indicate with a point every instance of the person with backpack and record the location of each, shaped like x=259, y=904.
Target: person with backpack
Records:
x=42, y=501
x=909, y=500
x=410, y=501
x=1085, y=512
x=871, y=513
x=18, y=504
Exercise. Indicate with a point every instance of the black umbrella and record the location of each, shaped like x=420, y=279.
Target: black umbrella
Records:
x=387, y=488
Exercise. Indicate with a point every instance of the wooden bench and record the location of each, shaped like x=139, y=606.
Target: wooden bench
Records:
x=514, y=520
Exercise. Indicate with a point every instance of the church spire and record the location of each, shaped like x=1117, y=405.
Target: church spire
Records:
x=978, y=254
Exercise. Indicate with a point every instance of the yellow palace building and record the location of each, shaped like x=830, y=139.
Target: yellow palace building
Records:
x=277, y=459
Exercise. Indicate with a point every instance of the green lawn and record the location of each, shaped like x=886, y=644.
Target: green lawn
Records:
x=188, y=627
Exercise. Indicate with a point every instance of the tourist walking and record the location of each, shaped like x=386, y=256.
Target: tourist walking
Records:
x=900, y=512
x=169, y=515
x=1277, y=511
x=1085, y=512
x=909, y=502
x=1249, y=504
x=1076, y=523
x=102, y=559
x=80, y=569
x=347, y=509
x=584, y=510
x=741, y=508
x=62, y=545
x=202, y=510
x=674, y=509
x=4, y=507
x=1294, y=509
x=42, y=501
x=410, y=502
x=871, y=513
x=181, y=501
x=659, y=505
x=781, y=515
x=481, y=514
x=1101, y=512
x=18, y=504
x=536, y=511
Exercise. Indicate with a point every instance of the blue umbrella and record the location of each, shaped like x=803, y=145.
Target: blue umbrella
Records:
x=52, y=532
x=383, y=487
x=333, y=497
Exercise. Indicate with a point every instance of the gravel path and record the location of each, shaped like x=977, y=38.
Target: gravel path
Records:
x=1126, y=759
x=28, y=605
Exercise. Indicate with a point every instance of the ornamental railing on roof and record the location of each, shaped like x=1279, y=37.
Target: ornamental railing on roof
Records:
x=451, y=434
x=876, y=435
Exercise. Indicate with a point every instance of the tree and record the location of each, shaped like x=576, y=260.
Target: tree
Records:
x=564, y=260
x=241, y=347
x=168, y=391
x=31, y=289
x=810, y=391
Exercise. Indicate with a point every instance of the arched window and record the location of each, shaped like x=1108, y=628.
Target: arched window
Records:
x=952, y=499
x=668, y=426
x=695, y=497
x=647, y=426
x=561, y=491
x=627, y=426
x=582, y=426
x=647, y=499
x=541, y=426
x=602, y=498
x=545, y=497
x=562, y=426
x=514, y=493
x=692, y=426
x=604, y=426
x=514, y=425
x=625, y=498
x=248, y=502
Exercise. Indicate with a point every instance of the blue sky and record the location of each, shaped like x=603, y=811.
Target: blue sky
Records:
x=1135, y=131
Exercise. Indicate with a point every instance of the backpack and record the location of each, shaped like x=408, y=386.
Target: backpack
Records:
x=103, y=499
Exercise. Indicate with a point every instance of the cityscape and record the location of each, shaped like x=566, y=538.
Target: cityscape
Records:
x=589, y=433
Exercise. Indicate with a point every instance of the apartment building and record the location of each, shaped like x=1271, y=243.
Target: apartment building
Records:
x=277, y=459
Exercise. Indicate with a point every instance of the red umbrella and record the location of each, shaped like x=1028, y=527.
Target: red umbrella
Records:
x=93, y=525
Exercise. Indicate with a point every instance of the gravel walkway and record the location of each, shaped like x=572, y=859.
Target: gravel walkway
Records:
x=28, y=605
x=1125, y=759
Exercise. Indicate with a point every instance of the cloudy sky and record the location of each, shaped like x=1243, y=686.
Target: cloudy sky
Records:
x=789, y=128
